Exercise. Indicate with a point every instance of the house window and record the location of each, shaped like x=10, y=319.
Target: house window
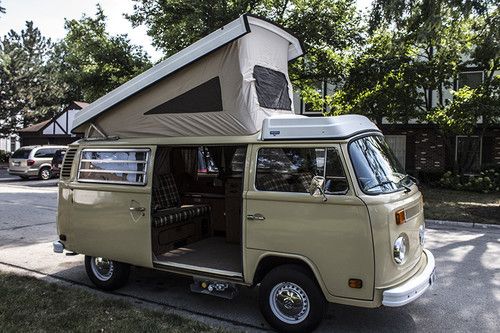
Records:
x=114, y=166
x=470, y=79
x=397, y=143
x=468, y=154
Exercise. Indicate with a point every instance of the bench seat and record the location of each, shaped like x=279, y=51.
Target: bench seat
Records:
x=182, y=214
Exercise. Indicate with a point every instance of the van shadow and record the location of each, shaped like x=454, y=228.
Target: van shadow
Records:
x=172, y=291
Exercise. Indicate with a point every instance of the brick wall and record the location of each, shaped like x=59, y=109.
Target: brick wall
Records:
x=425, y=148
x=496, y=147
x=430, y=154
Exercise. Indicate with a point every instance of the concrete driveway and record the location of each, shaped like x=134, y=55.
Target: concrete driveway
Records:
x=465, y=298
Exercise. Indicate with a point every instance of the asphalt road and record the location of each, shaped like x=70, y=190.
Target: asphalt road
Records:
x=465, y=298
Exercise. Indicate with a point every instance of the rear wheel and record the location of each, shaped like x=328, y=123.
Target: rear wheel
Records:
x=290, y=299
x=106, y=274
x=45, y=173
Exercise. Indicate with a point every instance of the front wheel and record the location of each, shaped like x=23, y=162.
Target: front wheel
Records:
x=106, y=274
x=290, y=299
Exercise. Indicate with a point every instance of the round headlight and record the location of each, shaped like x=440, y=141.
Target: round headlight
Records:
x=421, y=234
x=401, y=247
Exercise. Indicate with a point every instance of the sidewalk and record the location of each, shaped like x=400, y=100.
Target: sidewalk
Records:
x=458, y=224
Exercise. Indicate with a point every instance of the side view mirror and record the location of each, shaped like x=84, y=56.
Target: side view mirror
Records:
x=316, y=188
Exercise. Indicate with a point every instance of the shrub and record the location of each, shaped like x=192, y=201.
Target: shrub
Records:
x=486, y=182
x=4, y=156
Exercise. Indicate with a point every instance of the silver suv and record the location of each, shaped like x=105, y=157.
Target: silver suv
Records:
x=33, y=161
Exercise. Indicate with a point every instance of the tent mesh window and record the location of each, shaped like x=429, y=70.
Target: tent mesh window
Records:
x=272, y=88
x=206, y=97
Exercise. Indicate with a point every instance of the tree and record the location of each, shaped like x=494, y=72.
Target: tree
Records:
x=2, y=9
x=91, y=62
x=27, y=90
x=381, y=82
x=446, y=37
x=329, y=29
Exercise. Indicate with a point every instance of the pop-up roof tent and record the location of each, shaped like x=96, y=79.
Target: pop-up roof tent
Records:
x=226, y=83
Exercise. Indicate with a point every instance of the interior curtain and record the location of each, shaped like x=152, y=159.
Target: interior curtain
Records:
x=190, y=158
x=162, y=165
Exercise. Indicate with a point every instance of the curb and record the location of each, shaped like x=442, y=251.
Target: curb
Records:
x=469, y=225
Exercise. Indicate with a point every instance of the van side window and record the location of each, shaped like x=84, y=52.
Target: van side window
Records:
x=336, y=180
x=44, y=153
x=288, y=169
x=114, y=166
x=292, y=169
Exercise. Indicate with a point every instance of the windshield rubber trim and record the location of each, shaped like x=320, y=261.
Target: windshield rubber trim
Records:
x=356, y=173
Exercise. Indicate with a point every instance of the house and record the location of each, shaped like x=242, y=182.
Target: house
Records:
x=9, y=143
x=55, y=131
x=422, y=149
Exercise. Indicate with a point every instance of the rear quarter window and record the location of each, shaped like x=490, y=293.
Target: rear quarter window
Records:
x=22, y=153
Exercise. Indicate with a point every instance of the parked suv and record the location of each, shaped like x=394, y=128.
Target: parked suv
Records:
x=33, y=161
x=57, y=162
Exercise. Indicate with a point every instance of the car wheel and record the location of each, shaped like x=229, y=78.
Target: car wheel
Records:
x=290, y=300
x=45, y=173
x=106, y=274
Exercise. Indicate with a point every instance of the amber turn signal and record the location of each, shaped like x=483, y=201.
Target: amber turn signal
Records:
x=400, y=217
x=355, y=283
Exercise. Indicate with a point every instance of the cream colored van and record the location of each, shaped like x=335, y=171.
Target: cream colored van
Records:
x=309, y=221
x=198, y=166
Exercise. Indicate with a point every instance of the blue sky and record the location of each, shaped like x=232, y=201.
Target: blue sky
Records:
x=48, y=16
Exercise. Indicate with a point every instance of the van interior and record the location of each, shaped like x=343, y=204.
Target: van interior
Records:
x=197, y=207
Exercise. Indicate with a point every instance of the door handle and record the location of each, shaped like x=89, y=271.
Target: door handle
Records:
x=137, y=209
x=256, y=217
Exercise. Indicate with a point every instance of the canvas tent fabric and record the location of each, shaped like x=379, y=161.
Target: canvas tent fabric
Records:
x=223, y=87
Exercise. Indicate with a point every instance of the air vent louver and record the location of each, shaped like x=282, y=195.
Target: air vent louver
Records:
x=67, y=163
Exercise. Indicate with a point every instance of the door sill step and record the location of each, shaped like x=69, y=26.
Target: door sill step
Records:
x=197, y=270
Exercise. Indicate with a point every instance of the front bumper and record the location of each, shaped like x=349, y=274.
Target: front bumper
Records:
x=414, y=287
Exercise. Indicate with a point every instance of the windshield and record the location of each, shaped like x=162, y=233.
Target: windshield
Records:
x=22, y=153
x=376, y=166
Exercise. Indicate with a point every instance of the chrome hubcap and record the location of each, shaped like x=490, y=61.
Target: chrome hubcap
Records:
x=102, y=268
x=289, y=302
x=45, y=174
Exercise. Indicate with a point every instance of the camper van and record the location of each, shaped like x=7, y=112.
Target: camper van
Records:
x=199, y=167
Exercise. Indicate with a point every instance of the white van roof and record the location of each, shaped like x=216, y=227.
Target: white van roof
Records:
x=224, y=84
x=301, y=127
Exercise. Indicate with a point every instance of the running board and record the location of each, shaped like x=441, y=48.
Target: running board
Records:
x=198, y=271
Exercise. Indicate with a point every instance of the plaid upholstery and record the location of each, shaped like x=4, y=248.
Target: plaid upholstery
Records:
x=272, y=182
x=304, y=181
x=180, y=214
x=165, y=194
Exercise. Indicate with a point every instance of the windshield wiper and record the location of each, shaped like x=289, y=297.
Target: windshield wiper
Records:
x=379, y=184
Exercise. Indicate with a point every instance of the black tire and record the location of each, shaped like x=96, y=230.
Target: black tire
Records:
x=45, y=173
x=117, y=278
x=292, y=276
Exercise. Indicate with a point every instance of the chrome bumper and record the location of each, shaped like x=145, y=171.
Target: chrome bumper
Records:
x=58, y=247
x=414, y=287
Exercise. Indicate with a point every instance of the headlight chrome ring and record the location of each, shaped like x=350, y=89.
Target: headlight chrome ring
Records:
x=400, y=249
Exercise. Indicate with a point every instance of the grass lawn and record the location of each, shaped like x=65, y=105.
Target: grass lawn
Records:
x=451, y=205
x=31, y=305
